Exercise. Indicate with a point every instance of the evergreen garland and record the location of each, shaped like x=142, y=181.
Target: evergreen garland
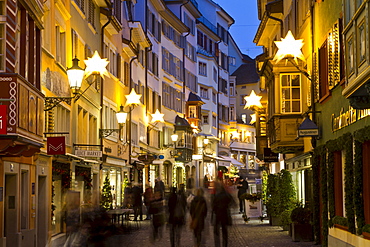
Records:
x=331, y=200
x=318, y=152
x=360, y=136
x=324, y=199
x=358, y=187
x=347, y=141
x=106, y=196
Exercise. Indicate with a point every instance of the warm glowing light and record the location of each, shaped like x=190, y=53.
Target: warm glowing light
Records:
x=133, y=98
x=234, y=134
x=252, y=100
x=254, y=118
x=206, y=141
x=121, y=116
x=95, y=64
x=289, y=47
x=174, y=137
x=157, y=117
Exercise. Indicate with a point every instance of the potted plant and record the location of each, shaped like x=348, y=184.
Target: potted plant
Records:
x=366, y=231
x=340, y=222
x=301, y=223
x=285, y=219
x=280, y=195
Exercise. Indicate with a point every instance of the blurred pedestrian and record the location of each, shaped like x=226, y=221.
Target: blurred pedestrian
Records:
x=221, y=214
x=137, y=192
x=205, y=181
x=198, y=212
x=158, y=215
x=242, y=189
x=159, y=186
x=148, y=198
x=177, y=209
x=128, y=196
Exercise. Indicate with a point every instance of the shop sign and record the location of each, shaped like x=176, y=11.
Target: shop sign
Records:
x=346, y=118
x=308, y=128
x=88, y=153
x=269, y=156
x=56, y=145
x=3, y=119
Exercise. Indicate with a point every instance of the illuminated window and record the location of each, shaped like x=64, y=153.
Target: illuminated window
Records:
x=290, y=93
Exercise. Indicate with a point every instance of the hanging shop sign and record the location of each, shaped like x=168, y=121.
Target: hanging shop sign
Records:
x=89, y=153
x=308, y=128
x=56, y=145
x=269, y=156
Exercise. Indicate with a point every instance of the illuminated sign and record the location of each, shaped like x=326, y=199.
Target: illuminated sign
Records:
x=348, y=117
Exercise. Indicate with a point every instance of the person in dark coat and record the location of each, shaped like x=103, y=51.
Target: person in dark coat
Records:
x=198, y=212
x=159, y=186
x=221, y=214
x=156, y=209
x=176, y=209
x=137, y=192
x=242, y=189
x=148, y=198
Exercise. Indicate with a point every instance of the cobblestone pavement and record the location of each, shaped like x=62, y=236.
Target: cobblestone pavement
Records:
x=241, y=234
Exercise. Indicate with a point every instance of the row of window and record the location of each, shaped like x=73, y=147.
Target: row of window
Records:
x=172, y=97
x=172, y=64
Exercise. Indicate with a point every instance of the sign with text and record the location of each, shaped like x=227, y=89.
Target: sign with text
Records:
x=3, y=119
x=88, y=153
x=56, y=145
x=269, y=156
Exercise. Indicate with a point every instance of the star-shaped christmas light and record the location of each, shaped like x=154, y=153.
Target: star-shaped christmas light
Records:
x=289, y=47
x=157, y=117
x=133, y=98
x=253, y=120
x=95, y=64
x=253, y=100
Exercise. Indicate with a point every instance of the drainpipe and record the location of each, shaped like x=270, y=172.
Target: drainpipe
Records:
x=313, y=107
x=278, y=20
x=109, y=15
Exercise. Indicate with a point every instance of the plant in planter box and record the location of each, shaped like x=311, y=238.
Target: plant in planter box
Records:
x=366, y=231
x=301, y=223
x=285, y=219
x=280, y=195
x=340, y=222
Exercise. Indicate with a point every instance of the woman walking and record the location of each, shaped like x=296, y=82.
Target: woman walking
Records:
x=198, y=212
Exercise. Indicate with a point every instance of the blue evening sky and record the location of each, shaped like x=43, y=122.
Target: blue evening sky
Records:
x=244, y=12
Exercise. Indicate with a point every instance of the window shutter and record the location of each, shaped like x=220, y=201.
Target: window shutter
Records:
x=323, y=70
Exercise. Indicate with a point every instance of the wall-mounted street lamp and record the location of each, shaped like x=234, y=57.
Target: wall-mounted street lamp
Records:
x=94, y=66
x=121, y=116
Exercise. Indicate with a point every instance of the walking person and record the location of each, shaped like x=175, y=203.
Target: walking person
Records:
x=156, y=209
x=198, y=212
x=176, y=220
x=137, y=192
x=159, y=186
x=242, y=189
x=221, y=214
x=148, y=198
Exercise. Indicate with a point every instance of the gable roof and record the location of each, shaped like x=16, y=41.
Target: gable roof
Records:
x=246, y=73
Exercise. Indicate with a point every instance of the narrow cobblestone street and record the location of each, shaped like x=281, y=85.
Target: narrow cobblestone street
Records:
x=252, y=234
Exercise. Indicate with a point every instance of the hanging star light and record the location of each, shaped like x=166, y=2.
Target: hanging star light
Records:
x=289, y=47
x=252, y=100
x=253, y=120
x=133, y=98
x=95, y=64
x=157, y=117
